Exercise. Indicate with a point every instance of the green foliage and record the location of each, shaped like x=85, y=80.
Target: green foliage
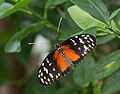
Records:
x=10, y=10
x=94, y=7
x=106, y=66
x=105, y=39
x=66, y=35
x=1, y=1
x=111, y=84
x=83, y=71
x=5, y=7
x=83, y=19
x=55, y=2
x=22, y=20
x=114, y=14
x=14, y=43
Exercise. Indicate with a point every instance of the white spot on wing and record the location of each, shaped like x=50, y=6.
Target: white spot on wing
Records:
x=42, y=80
x=76, y=36
x=52, y=79
x=48, y=79
x=43, y=64
x=73, y=42
x=46, y=83
x=85, y=52
x=44, y=77
x=58, y=74
x=88, y=35
x=50, y=64
x=89, y=45
x=81, y=41
x=50, y=75
x=39, y=76
x=83, y=35
x=45, y=69
x=79, y=48
x=91, y=39
x=92, y=47
x=82, y=54
x=85, y=47
x=53, y=69
x=93, y=44
x=88, y=41
x=40, y=71
x=47, y=60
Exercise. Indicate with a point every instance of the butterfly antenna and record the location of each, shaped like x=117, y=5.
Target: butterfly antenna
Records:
x=31, y=43
x=35, y=43
x=58, y=27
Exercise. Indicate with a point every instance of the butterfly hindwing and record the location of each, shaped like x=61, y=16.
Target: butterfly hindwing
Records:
x=48, y=71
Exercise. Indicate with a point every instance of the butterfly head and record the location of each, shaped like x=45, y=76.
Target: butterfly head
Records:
x=56, y=45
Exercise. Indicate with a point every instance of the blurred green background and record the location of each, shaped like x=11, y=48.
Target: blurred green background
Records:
x=34, y=19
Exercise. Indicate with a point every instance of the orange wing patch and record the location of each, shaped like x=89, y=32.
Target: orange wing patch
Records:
x=71, y=54
x=60, y=59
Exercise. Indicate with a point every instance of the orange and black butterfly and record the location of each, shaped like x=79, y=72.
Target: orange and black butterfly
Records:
x=61, y=60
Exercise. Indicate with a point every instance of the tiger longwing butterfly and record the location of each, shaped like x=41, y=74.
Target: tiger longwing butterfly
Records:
x=61, y=60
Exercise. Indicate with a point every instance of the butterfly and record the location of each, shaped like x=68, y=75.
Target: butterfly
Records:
x=60, y=61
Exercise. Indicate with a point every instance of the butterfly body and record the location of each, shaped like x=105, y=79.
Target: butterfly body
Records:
x=60, y=61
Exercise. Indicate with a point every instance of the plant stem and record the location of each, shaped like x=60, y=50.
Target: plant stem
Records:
x=85, y=90
x=96, y=89
x=49, y=24
x=45, y=12
x=35, y=13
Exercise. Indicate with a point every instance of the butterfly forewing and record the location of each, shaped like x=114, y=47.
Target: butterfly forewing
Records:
x=82, y=44
x=48, y=71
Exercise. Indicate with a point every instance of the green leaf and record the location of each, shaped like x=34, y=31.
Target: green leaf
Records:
x=13, y=44
x=111, y=84
x=91, y=31
x=1, y=1
x=106, y=66
x=55, y=2
x=52, y=3
x=95, y=7
x=105, y=39
x=5, y=7
x=83, y=19
x=10, y=10
x=66, y=35
x=114, y=14
x=83, y=71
